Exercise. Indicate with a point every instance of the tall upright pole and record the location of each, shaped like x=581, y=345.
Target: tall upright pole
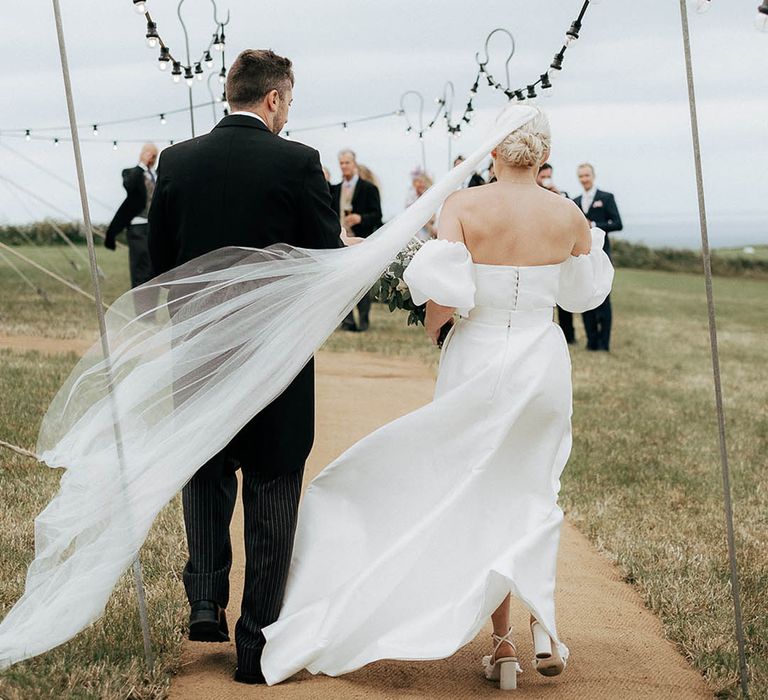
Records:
x=707, y=258
x=189, y=63
x=137, y=574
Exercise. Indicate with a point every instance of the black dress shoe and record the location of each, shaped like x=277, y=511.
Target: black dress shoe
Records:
x=363, y=325
x=207, y=622
x=351, y=327
x=250, y=678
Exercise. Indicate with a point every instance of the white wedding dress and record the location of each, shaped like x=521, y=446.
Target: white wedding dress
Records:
x=412, y=538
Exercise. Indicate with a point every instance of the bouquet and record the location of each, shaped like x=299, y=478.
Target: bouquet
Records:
x=392, y=290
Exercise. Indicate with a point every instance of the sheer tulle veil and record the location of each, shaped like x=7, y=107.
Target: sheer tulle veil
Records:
x=231, y=331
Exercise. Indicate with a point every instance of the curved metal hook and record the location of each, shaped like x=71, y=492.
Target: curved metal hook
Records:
x=184, y=27
x=404, y=111
x=487, y=60
x=216, y=15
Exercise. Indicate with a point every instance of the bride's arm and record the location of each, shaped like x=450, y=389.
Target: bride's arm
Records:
x=449, y=229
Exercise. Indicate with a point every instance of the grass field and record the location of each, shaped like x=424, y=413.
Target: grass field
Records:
x=643, y=481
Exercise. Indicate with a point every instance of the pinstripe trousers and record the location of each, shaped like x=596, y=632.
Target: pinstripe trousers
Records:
x=270, y=505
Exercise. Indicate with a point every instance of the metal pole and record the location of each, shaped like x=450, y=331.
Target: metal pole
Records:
x=706, y=255
x=137, y=575
x=189, y=63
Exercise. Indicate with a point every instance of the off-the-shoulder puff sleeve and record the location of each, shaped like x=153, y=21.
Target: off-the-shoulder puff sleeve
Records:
x=442, y=271
x=585, y=280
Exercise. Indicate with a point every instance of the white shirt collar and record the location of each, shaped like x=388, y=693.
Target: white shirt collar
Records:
x=249, y=114
x=590, y=194
x=351, y=183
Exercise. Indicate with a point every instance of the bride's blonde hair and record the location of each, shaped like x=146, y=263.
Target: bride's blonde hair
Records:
x=527, y=146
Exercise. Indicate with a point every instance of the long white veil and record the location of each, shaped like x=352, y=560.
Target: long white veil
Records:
x=231, y=331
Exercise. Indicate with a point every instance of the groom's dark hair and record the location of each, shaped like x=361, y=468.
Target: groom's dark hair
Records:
x=254, y=74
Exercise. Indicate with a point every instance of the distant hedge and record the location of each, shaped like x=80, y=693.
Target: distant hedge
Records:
x=625, y=254
x=641, y=257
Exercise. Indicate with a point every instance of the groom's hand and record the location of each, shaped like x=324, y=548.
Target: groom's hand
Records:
x=350, y=240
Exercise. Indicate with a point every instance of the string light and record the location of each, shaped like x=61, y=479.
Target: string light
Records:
x=218, y=40
x=223, y=76
x=345, y=126
x=761, y=21
x=198, y=71
x=163, y=120
x=140, y=6
x=165, y=58
x=176, y=72
x=703, y=6
x=95, y=129
x=114, y=145
x=55, y=142
x=27, y=136
x=189, y=78
x=208, y=59
x=153, y=39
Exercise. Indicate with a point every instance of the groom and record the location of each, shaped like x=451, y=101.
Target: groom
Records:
x=243, y=185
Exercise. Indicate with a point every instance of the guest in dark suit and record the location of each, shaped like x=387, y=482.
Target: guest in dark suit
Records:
x=358, y=205
x=474, y=180
x=601, y=210
x=243, y=185
x=139, y=184
x=565, y=318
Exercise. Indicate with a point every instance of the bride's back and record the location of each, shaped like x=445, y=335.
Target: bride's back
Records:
x=511, y=223
x=514, y=221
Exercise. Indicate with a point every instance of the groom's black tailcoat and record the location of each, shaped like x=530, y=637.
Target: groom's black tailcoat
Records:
x=242, y=185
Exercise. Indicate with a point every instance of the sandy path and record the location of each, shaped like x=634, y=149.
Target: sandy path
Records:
x=47, y=346
x=618, y=646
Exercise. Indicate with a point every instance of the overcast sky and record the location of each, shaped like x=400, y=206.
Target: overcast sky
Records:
x=620, y=102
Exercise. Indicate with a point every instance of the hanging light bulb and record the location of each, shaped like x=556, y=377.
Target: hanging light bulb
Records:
x=95, y=129
x=55, y=142
x=703, y=6
x=140, y=6
x=218, y=41
x=208, y=59
x=165, y=58
x=163, y=120
x=114, y=145
x=198, y=71
x=572, y=34
x=176, y=72
x=153, y=38
x=531, y=94
x=27, y=136
x=546, y=85
x=189, y=78
x=345, y=126
x=223, y=76
x=761, y=21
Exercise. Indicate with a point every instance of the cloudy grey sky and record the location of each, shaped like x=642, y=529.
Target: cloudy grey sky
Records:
x=620, y=103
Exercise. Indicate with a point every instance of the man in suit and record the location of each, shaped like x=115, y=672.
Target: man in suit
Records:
x=358, y=205
x=600, y=209
x=243, y=185
x=565, y=318
x=139, y=184
x=474, y=180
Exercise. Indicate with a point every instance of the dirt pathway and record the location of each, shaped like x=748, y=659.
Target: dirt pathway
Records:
x=618, y=646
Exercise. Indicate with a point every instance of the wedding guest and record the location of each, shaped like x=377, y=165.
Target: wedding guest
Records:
x=358, y=204
x=601, y=211
x=420, y=183
x=565, y=318
x=139, y=184
x=474, y=180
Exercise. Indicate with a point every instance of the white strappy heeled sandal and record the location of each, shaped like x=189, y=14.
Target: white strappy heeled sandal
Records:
x=547, y=660
x=503, y=669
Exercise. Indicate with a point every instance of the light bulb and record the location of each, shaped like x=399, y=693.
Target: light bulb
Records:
x=176, y=78
x=95, y=129
x=189, y=81
x=208, y=59
x=223, y=76
x=761, y=21
x=570, y=40
x=140, y=6
x=27, y=136
x=345, y=126
x=152, y=42
x=114, y=145
x=55, y=142
x=162, y=65
x=703, y=6
x=198, y=71
x=163, y=120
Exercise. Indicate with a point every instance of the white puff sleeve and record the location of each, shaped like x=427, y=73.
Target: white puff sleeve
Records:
x=585, y=280
x=442, y=271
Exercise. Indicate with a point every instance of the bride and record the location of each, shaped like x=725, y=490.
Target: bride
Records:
x=421, y=531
